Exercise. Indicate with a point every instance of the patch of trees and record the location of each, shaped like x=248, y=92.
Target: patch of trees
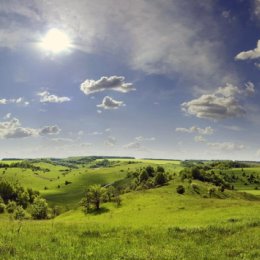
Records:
x=228, y=164
x=21, y=202
x=196, y=173
x=144, y=178
x=103, y=163
x=23, y=165
x=96, y=194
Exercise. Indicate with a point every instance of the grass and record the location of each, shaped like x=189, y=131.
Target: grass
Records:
x=154, y=224
x=43, y=240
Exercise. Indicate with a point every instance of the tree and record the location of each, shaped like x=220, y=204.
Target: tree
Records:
x=180, y=189
x=150, y=171
x=94, y=196
x=160, y=179
x=144, y=176
x=40, y=208
x=160, y=169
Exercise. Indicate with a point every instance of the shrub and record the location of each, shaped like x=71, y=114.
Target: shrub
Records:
x=150, y=171
x=211, y=191
x=2, y=207
x=144, y=176
x=40, y=209
x=160, y=179
x=160, y=169
x=20, y=213
x=11, y=206
x=180, y=189
x=195, y=187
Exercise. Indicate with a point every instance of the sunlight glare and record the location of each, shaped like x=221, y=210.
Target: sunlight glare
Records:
x=55, y=41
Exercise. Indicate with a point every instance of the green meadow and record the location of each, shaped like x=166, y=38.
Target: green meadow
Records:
x=150, y=223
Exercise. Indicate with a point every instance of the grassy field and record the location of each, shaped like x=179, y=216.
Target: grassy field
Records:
x=150, y=224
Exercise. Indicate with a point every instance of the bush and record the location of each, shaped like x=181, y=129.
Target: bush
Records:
x=20, y=213
x=160, y=169
x=11, y=206
x=211, y=191
x=2, y=208
x=180, y=189
x=160, y=179
x=40, y=209
x=195, y=187
x=144, y=176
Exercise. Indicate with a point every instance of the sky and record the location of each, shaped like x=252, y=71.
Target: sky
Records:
x=151, y=79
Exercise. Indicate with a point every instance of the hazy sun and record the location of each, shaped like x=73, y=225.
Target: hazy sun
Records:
x=55, y=41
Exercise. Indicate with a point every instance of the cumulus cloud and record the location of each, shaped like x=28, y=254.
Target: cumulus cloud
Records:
x=110, y=103
x=49, y=130
x=13, y=129
x=46, y=97
x=251, y=54
x=194, y=129
x=116, y=83
x=223, y=103
x=226, y=146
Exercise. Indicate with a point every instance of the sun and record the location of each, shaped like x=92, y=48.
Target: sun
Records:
x=55, y=41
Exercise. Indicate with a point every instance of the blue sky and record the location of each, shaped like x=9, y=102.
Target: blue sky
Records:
x=162, y=79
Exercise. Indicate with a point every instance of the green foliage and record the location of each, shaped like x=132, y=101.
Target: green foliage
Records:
x=2, y=207
x=180, y=189
x=150, y=171
x=196, y=173
x=11, y=206
x=144, y=176
x=160, y=179
x=95, y=194
x=39, y=209
x=20, y=213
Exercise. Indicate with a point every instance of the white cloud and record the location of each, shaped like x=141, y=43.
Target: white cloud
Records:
x=199, y=139
x=194, y=129
x=223, y=103
x=250, y=88
x=233, y=128
x=251, y=54
x=13, y=129
x=19, y=100
x=116, y=83
x=226, y=146
x=8, y=116
x=141, y=138
x=111, y=141
x=96, y=133
x=49, y=130
x=133, y=145
x=257, y=8
x=46, y=97
x=167, y=41
x=110, y=103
